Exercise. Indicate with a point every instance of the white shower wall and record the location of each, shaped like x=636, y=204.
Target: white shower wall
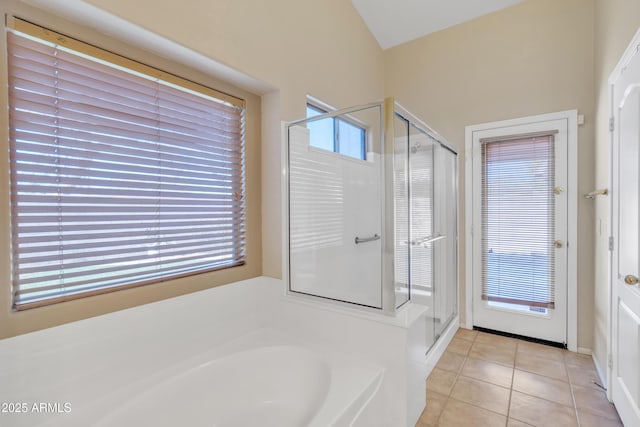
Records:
x=334, y=199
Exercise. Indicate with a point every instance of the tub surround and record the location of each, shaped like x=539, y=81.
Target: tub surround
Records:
x=105, y=366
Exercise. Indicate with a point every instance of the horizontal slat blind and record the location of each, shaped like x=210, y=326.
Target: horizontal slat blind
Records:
x=518, y=220
x=401, y=194
x=422, y=209
x=117, y=179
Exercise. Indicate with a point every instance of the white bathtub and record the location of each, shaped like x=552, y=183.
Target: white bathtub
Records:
x=269, y=386
x=261, y=379
x=216, y=356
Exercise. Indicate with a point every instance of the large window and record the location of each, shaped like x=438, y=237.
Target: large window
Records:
x=121, y=175
x=337, y=134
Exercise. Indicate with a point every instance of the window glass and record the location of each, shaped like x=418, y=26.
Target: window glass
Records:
x=118, y=179
x=336, y=134
x=351, y=140
x=322, y=132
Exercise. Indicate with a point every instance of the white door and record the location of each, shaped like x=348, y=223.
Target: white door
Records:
x=519, y=228
x=625, y=269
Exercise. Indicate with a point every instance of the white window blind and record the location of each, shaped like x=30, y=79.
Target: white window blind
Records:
x=119, y=176
x=518, y=221
x=401, y=193
x=422, y=151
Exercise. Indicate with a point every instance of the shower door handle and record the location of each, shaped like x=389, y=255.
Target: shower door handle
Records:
x=367, y=239
x=427, y=240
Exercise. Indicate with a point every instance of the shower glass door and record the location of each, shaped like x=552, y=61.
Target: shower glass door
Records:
x=425, y=191
x=335, y=174
x=424, y=235
x=446, y=250
x=401, y=211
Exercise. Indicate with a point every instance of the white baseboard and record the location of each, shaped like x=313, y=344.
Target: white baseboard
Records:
x=584, y=350
x=601, y=375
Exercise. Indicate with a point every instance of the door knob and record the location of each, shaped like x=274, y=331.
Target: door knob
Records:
x=630, y=279
x=557, y=243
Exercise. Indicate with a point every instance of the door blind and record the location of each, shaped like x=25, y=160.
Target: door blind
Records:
x=118, y=178
x=518, y=221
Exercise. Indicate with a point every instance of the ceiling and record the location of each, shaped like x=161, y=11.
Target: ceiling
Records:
x=399, y=21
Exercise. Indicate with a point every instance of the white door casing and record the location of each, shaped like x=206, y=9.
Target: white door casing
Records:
x=624, y=374
x=560, y=324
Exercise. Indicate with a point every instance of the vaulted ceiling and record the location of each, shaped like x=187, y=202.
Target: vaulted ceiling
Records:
x=393, y=22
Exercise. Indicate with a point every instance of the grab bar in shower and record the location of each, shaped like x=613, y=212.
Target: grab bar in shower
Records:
x=367, y=239
x=427, y=240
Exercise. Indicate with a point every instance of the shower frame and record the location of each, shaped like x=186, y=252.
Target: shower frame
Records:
x=389, y=109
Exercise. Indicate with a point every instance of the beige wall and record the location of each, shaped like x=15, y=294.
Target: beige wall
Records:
x=300, y=47
x=291, y=47
x=616, y=23
x=532, y=58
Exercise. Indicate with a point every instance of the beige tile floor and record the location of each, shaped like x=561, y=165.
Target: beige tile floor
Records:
x=485, y=380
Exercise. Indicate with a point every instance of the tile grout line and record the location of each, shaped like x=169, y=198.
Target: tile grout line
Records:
x=511, y=389
x=513, y=376
x=585, y=409
x=459, y=374
x=479, y=407
x=446, y=403
x=573, y=405
x=573, y=396
x=547, y=400
x=488, y=382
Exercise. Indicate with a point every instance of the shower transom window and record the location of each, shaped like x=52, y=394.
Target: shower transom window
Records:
x=337, y=134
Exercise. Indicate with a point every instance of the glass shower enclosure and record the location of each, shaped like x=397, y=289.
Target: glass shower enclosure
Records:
x=372, y=218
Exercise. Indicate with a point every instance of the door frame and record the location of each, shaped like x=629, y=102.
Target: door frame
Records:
x=627, y=56
x=571, y=116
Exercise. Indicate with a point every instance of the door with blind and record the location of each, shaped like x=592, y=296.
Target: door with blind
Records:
x=520, y=229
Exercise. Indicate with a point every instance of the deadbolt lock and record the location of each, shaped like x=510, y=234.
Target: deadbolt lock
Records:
x=558, y=244
x=558, y=190
x=630, y=279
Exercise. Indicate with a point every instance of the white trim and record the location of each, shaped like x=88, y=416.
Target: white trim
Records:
x=319, y=104
x=571, y=116
x=80, y=11
x=328, y=108
x=626, y=57
x=603, y=379
x=439, y=347
x=284, y=207
x=468, y=226
x=609, y=314
x=585, y=350
x=572, y=231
